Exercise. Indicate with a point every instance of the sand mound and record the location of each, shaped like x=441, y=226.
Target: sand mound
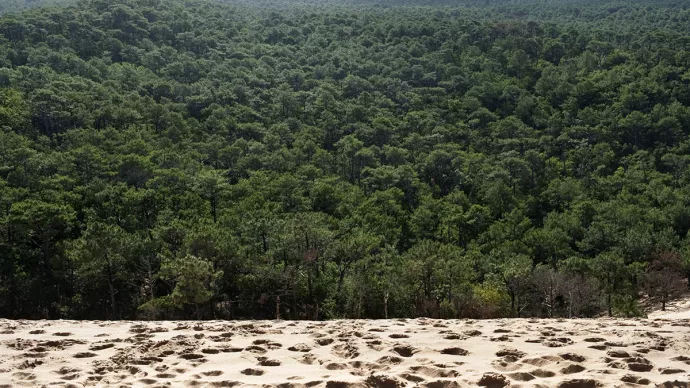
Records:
x=393, y=353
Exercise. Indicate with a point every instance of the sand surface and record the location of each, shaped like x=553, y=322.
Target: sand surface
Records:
x=352, y=353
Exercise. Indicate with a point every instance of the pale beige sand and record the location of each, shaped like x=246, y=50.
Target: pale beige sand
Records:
x=678, y=309
x=363, y=353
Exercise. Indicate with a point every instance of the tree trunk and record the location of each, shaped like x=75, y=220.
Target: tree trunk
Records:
x=608, y=303
x=278, y=308
x=214, y=212
x=341, y=279
x=111, y=287
x=310, y=285
x=385, y=305
x=294, y=299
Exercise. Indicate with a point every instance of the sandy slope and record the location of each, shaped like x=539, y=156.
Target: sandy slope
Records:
x=678, y=309
x=391, y=353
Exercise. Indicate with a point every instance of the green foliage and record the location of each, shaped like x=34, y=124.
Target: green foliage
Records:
x=18, y=5
x=313, y=160
x=491, y=299
x=193, y=282
x=627, y=306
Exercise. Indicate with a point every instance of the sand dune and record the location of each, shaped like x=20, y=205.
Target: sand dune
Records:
x=347, y=353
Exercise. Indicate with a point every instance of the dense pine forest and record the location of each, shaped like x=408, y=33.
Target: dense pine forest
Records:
x=18, y=5
x=315, y=160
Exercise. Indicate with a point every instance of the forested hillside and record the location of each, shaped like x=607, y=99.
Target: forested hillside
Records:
x=18, y=5
x=191, y=159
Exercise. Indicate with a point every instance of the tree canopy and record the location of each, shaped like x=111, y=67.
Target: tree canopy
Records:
x=314, y=160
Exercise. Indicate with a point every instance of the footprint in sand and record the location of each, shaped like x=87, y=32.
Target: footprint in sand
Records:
x=147, y=360
x=405, y=350
x=324, y=341
x=98, y=347
x=542, y=361
x=85, y=355
x=617, y=353
x=411, y=377
x=433, y=372
x=442, y=384
x=267, y=343
x=346, y=350
x=230, y=349
x=510, y=354
x=24, y=376
x=308, y=359
x=632, y=379
x=660, y=346
x=263, y=361
x=383, y=381
x=507, y=361
x=579, y=383
x=363, y=368
x=502, y=338
x=674, y=384
x=615, y=344
x=191, y=356
x=255, y=349
x=303, y=348
x=573, y=368
x=136, y=329
x=133, y=370
x=341, y=384
x=572, y=357
x=390, y=360
x=670, y=371
x=683, y=359
x=375, y=345
x=639, y=364
x=336, y=366
x=557, y=342
x=455, y=351
x=493, y=380
x=542, y=373
x=503, y=366
x=521, y=376
x=66, y=371
x=27, y=364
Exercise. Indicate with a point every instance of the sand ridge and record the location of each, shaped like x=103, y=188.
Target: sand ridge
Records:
x=347, y=353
